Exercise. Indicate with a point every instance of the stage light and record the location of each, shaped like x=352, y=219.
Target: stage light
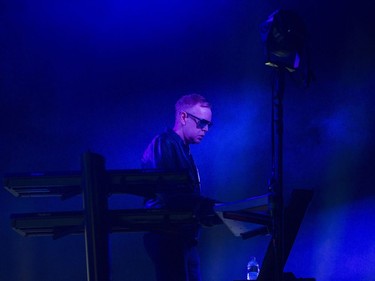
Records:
x=283, y=34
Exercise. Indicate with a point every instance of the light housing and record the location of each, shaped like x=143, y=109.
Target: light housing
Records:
x=283, y=34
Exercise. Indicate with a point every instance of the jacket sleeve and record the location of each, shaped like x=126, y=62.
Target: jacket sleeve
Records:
x=160, y=154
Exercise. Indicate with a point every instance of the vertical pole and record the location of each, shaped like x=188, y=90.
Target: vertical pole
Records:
x=278, y=236
x=94, y=187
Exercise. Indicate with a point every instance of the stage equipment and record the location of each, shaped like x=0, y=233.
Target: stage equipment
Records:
x=96, y=221
x=245, y=218
x=283, y=34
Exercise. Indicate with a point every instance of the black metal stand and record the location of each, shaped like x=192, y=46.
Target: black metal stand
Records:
x=96, y=228
x=276, y=181
x=96, y=221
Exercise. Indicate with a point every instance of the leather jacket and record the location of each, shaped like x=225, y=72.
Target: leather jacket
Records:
x=167, y=151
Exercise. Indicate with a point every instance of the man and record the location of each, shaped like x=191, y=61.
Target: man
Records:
x=175, y=255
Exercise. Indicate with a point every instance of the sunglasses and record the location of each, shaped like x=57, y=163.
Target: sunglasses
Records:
x=201, y=123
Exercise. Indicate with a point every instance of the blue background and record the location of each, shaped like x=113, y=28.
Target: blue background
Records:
x=104, y=76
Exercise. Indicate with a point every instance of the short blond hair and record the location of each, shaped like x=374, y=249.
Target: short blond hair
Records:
x=188, y=101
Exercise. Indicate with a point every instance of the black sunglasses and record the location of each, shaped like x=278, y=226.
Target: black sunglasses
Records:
x=201, y=123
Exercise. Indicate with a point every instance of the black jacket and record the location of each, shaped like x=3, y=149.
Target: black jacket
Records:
x=168, y=151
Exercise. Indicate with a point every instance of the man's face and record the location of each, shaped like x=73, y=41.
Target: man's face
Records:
x=198, y=121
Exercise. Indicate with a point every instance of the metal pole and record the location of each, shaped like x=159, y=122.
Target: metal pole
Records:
x=278, y=187
x=94, y=188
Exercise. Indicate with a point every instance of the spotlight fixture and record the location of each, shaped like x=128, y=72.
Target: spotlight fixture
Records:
x=283, y=34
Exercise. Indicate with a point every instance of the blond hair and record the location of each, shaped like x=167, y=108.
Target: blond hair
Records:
x=188, y=101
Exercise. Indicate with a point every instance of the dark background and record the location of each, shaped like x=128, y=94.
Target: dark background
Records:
x=104, y=76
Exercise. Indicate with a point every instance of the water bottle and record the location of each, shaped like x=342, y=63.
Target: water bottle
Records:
x=252, y=269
